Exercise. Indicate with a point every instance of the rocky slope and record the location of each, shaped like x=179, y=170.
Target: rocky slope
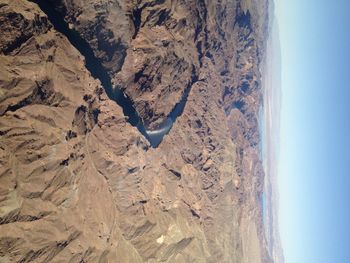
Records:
x=83, y=84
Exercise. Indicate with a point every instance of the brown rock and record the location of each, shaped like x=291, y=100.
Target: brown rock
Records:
x=79, y=183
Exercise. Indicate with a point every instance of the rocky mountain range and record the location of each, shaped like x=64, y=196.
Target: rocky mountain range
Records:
x=129, y=131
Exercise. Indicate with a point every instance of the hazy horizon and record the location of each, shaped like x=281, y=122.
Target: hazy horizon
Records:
x=271, y=131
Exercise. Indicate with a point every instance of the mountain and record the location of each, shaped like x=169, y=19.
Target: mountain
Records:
x=129, y=131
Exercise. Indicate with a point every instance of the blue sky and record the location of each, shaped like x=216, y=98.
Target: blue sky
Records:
x=314, y=177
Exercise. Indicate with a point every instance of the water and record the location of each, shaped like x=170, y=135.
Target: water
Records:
x=155, y=137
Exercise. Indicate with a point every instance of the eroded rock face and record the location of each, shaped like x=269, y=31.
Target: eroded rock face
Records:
x=79, y=183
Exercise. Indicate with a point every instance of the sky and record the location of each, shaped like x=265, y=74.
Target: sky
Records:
x=314, y=168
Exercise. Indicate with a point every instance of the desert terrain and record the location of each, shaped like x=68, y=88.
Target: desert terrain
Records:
x=129, y=131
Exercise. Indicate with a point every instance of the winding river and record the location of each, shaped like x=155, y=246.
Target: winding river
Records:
x=95, y=67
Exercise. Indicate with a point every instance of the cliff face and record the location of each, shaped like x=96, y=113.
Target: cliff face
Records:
x=84, y=85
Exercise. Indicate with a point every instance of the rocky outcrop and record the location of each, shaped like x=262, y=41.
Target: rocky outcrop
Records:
x=83, y=84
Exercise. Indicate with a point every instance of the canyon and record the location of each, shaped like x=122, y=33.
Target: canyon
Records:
x=129, y=131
